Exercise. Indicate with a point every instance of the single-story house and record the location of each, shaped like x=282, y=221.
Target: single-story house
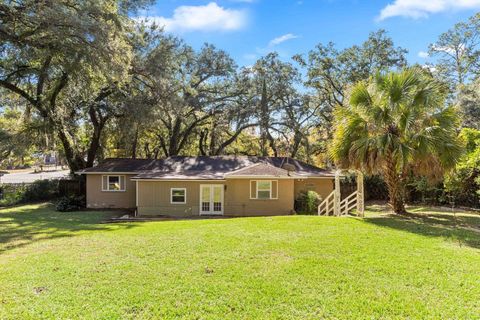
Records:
x=204, y=185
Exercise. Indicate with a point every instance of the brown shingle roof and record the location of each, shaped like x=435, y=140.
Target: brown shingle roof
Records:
x=205, y=167
x=260, y=169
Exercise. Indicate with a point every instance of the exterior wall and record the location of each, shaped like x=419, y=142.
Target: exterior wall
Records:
x=238, y=202
x=96, y=198
x=321, y=186
x=154, y=198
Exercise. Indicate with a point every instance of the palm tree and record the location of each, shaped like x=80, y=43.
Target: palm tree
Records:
x=397, y=124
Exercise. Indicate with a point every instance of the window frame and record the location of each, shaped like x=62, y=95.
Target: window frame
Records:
x=257, y=189
x=184, y=195
x=119, y=176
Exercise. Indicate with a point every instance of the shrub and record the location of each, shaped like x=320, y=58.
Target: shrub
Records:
x=40, y=190
x=375, y=187
x=462, y=186
x=70, y=203
x=421, y=190
x=10, y=195
x=307, y=202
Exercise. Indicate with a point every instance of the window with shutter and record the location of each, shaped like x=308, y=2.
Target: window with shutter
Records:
x=263, y=189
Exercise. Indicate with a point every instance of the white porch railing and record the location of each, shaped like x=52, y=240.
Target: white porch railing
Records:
x=349, y=203
x=327, y=206
x=333, y=205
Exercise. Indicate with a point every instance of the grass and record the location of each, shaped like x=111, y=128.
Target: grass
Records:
x=71, y=265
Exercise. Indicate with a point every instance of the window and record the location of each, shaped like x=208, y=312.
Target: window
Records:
x=263, y=189
x=178, y=195
x=113, y=183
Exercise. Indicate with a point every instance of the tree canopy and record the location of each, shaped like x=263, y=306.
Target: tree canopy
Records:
x=85, y=80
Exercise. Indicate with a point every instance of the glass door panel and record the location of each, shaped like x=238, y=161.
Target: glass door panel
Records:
x=217, y=199
x=205, y=192
x=211, y=199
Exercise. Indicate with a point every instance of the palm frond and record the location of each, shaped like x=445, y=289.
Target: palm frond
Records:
x=399, y=114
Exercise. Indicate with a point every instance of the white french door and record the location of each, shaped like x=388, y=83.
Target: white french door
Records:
x=211, y=199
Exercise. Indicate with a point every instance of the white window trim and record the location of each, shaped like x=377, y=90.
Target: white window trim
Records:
x=211, y=212
x=105, y=188
x=184, y=198
x=256, y=189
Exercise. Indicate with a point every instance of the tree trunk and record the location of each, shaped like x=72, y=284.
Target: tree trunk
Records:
x=135, y=143
x=75, y=162
x=395, y=186
x=94, y=145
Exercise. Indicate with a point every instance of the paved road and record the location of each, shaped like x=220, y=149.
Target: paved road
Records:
x=29, y=177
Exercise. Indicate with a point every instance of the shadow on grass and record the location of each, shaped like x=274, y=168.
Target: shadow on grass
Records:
x=461, y=227
x=23, y=225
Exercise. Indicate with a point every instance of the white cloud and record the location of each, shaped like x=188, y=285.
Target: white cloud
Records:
x=281, y=39
x=422, y=8
x=449, y=50
x=429, y=67
x=423, y=54
x=210, y=17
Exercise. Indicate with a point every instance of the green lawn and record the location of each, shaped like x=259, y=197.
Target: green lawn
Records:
x=70, y=265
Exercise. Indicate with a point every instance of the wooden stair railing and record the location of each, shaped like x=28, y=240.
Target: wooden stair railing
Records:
x=327, y=205
x=348, y=203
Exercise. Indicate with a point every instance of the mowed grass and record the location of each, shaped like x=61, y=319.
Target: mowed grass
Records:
x=71, y=265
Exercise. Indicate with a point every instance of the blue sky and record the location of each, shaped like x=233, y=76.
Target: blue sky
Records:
x=248, y=29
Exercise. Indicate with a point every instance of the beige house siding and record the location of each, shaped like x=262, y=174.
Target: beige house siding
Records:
x=321, y=186
x=238, y=202
x=96, y=198
x=154, y=198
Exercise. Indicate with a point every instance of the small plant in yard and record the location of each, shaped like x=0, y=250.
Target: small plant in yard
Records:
x=307, y=202
x=70, y=203
x=10, y=195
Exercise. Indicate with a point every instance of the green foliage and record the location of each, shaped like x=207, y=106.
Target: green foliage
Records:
x=10, y=195
x=63, y=59
x=332, y=71
x=401, y=113
x=458, y=53
x=468, y=101
x=375, y=187
x=421, y=190
x=70, y=203
x=463, y=184
x=86, y=80
x=396, y=124
x=40, y=190
x=307, y=202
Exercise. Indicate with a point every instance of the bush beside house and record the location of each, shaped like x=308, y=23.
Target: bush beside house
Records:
x=307, y=202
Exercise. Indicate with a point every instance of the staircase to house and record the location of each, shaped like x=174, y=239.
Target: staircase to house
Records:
x=333, y=205
x=327, y=207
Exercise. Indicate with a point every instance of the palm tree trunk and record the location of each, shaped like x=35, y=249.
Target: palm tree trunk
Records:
x=394, y=185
